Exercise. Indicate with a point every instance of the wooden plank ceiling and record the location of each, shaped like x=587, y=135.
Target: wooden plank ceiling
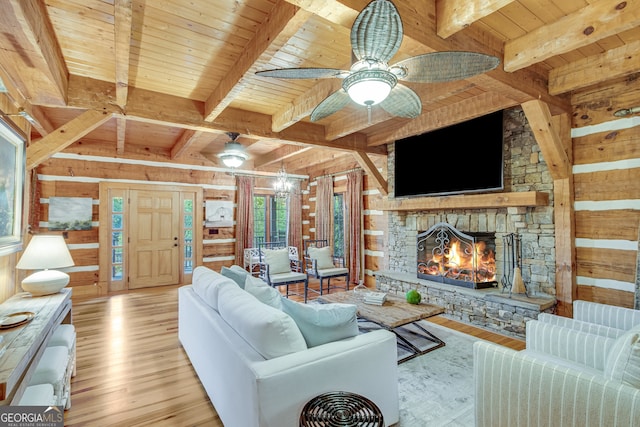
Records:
x=171, y=77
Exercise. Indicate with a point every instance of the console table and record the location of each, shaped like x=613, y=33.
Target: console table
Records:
x=21, y=347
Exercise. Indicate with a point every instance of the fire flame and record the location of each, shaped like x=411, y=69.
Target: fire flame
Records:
x=477, y=266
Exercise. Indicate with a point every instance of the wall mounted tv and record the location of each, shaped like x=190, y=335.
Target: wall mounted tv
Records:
x=462, y=158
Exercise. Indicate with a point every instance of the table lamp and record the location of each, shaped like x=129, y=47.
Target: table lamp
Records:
x=45, y=253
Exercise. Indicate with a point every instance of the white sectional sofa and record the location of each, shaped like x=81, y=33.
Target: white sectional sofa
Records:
x=258, y=369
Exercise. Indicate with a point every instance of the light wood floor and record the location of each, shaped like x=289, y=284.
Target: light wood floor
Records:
x=132, y=370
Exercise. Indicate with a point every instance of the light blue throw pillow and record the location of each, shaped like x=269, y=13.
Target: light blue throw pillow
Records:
x=237, y=276
x=261, y=290
x=322, y=323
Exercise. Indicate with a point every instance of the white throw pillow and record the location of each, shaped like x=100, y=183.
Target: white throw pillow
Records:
x=623, y=360
x=323, y=256
x=206, y=284
x=323, y=323
x=278, y=260
x=269, y=331
x=261, y=290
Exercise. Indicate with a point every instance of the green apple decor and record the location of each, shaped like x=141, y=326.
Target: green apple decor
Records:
x=413, y=297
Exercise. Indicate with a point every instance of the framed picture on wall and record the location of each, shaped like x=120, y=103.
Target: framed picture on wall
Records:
x=218, y=213
x=12, y=175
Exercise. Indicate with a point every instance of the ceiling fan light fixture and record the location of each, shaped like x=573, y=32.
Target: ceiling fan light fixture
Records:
x=369, y=87
x=233, y=155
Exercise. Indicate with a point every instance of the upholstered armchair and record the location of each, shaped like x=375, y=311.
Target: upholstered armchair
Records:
x=321, y=264
x=564, y=377
x=595, y=318
x=278, y=269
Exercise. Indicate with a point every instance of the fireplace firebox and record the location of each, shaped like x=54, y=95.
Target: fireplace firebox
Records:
x=447, y=255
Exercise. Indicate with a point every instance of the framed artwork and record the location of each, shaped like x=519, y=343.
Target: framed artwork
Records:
x=70, y=213
x=218, y=213
x=12, y=175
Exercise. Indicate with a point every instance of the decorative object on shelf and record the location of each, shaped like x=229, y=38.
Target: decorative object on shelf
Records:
x=282, y=186
x=233, y=155
x=413, y=297
x=46, y=253
x=16, y=319
x=376, y=36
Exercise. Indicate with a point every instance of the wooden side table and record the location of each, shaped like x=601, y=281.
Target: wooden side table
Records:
x=22, y=346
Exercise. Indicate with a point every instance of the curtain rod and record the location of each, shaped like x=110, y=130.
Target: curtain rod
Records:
x=268, y=175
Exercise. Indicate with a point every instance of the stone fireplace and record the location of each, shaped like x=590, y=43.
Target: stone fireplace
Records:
x=483, y=305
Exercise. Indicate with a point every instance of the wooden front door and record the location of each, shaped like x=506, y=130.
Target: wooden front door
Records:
x=155, y=238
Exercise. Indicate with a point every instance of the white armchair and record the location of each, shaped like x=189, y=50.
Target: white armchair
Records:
x=564, y=377
x=602, y=319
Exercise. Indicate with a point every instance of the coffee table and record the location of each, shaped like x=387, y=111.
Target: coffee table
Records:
x=397, y=316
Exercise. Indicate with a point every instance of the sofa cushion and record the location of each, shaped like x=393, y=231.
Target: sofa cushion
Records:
x=278, y=260
x=623, y=360
x=237, y=276
x=323, y=323
x=269, y=331
x=323, y=257
x=206, y=284
x=263, y=292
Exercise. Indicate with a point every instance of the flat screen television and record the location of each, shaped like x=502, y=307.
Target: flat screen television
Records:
x=463, y=158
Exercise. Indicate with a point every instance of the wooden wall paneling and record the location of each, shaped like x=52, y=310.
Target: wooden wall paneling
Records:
x=606, y=296
x=375, y=222
x=619, y=184
x=598, y=103
x=615, y=224
x=82, y=279
x=606, y=263
x=610, y=146
x=217, y=265
x=218, y=249
x=374, y=242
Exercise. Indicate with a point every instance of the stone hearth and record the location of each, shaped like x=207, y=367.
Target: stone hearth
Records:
x=487, y=308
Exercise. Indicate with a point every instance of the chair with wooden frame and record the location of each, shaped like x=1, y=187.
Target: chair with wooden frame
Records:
x=321, y=264
x=277, y=267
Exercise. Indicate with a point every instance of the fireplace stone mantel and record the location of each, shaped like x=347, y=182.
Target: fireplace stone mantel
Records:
x=464, y=201
x=487, y=308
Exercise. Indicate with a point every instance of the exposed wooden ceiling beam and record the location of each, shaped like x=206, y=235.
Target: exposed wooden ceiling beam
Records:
x=304, y=104
x=467, y=109
x=370, y=168
x=185, y=140
x=283, y=22
x=455, y=15
x=167, y=110
x=591, y=70
x=278, y=155
x=550, y=143
x=122, y=28
x=64, y=136
x=41, y=73
x=594, y=22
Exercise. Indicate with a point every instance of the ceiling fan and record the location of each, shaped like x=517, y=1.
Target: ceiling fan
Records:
x=376, y=36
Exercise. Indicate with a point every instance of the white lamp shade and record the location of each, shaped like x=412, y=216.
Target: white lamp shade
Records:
x=233, y=155
x=369, y=92
x=44, y=252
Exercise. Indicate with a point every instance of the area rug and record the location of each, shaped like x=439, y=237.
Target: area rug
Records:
x=436, y=389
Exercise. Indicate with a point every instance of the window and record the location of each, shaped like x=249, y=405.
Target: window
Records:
x=117, y=238
x=338, y=224
x=187, y=232
x=269, y=219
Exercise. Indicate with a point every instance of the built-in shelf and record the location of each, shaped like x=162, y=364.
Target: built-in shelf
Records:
x=463, y=201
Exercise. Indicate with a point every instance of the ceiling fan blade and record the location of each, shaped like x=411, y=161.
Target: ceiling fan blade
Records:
x=402, y=102
x=304, y=73
x=377, y=31
x=332, y=103
x=439, y=67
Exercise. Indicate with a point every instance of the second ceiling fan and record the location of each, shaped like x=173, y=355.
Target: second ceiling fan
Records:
x=376, y=36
